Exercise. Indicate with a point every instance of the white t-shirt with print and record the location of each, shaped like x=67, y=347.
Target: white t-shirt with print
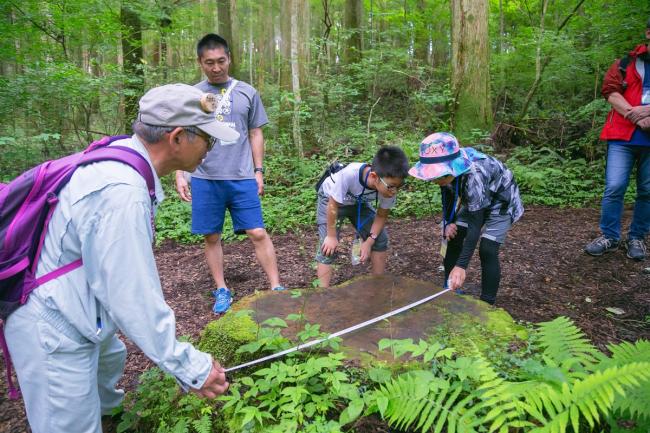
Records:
x=345, y=187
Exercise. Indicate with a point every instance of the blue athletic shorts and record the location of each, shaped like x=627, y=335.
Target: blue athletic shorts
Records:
x=211, y=198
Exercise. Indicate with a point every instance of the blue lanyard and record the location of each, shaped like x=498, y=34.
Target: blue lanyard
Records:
x=359, y=201
x=446, y=221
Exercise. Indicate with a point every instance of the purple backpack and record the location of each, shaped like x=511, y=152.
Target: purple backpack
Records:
x=26, y=206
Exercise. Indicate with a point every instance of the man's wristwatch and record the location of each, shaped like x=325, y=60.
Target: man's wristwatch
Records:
x=372, y=236
x=259, y=169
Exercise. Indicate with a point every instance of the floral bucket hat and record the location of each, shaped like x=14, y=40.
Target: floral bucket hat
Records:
x=441, y=155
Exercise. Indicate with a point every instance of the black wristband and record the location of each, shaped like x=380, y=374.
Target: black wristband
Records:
x=259, y=169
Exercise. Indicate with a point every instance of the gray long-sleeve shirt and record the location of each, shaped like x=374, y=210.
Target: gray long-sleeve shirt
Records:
x=104, y=216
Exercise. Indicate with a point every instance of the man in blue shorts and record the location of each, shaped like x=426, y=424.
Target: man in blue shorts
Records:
x=232, y=175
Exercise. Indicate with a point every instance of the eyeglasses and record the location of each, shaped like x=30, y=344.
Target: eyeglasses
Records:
x=210, y=140
x=391, y=188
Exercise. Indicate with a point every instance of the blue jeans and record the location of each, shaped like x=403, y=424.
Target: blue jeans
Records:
x=620, y=162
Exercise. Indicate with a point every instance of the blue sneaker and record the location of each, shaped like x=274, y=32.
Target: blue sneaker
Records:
x=224, y=299
x=279, y=288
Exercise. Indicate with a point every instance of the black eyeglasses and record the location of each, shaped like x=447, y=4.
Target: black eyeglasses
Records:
x=210, y=140
x=391, y=188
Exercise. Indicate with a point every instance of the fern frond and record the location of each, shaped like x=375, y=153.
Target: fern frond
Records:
x=625, y=353
x=636, y=402
x=423, y=401
x=566, y=344
x=587, y=399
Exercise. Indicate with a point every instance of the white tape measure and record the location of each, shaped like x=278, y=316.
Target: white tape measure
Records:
x=337, y=334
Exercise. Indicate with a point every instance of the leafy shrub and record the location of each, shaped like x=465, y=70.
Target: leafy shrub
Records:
x=291, y=396
x=546, y=177
x=159, y=406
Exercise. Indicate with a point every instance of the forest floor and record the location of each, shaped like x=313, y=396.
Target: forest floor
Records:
x=545, y=274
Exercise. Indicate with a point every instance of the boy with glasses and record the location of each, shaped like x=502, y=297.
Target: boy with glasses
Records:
x=350, y=193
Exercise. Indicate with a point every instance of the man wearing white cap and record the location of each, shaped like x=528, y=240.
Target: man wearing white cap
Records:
x=62, y=341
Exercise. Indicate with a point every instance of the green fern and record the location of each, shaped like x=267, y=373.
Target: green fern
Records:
x=626, y=352
x=565, y=345
x=421, y=401
x=588, y=399
x=572, y=384
x=418, y=397
x=636, y=403
x=203, y=425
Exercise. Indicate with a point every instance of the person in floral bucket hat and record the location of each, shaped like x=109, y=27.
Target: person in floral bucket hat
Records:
x=480, y=200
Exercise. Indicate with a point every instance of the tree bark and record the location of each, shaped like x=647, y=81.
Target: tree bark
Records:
x=295, y=78
x=132, y=65
x=353, y=19
x=225, y=29
x=470, y=77
x=304, y=35
x=284, y=64
x=165, y=57
x=422, y=32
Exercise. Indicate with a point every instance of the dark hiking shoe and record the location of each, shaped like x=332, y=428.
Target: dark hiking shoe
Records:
x=601, y=245
x=636, y=249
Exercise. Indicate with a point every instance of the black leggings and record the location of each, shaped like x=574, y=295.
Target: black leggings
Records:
x=490, y=268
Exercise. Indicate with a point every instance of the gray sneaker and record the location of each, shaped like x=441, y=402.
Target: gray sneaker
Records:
x=636, y=249
x=601, y=245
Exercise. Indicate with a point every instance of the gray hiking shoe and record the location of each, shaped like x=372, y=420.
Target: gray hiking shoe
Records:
x=636, y=249
x=601, y=245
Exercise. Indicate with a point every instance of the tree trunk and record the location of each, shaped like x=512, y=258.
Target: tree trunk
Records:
x=295, y=78
x=470, y=77
x=353, y=20
x=285, y=64
x=251, y=49
x=422, y=33
x=225, y=29
x=235, y=41
x=165, y=56
x=132, y=65
x=304, y=47
x=269, y=35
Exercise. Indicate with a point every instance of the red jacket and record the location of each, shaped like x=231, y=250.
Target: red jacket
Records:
x=616, y=126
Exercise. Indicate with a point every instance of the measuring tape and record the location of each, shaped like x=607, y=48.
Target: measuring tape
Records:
x=337, y=334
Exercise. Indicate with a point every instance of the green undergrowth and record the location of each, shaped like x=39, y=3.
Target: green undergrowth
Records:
x=545, y=177
x=553, y=381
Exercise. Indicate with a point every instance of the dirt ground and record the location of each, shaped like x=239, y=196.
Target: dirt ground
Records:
x=544, y=274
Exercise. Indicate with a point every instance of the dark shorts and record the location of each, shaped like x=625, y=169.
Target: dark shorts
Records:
x=351, y=213
x=211, y=198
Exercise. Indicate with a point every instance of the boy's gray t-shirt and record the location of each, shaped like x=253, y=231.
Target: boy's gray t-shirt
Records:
x=242, y=111
x=345, y=186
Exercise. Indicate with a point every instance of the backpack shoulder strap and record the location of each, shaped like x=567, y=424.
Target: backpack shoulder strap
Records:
x=622, y=65
x=126, y=156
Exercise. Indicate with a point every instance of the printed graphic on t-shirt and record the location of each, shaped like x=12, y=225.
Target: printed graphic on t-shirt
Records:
x=224, y=108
